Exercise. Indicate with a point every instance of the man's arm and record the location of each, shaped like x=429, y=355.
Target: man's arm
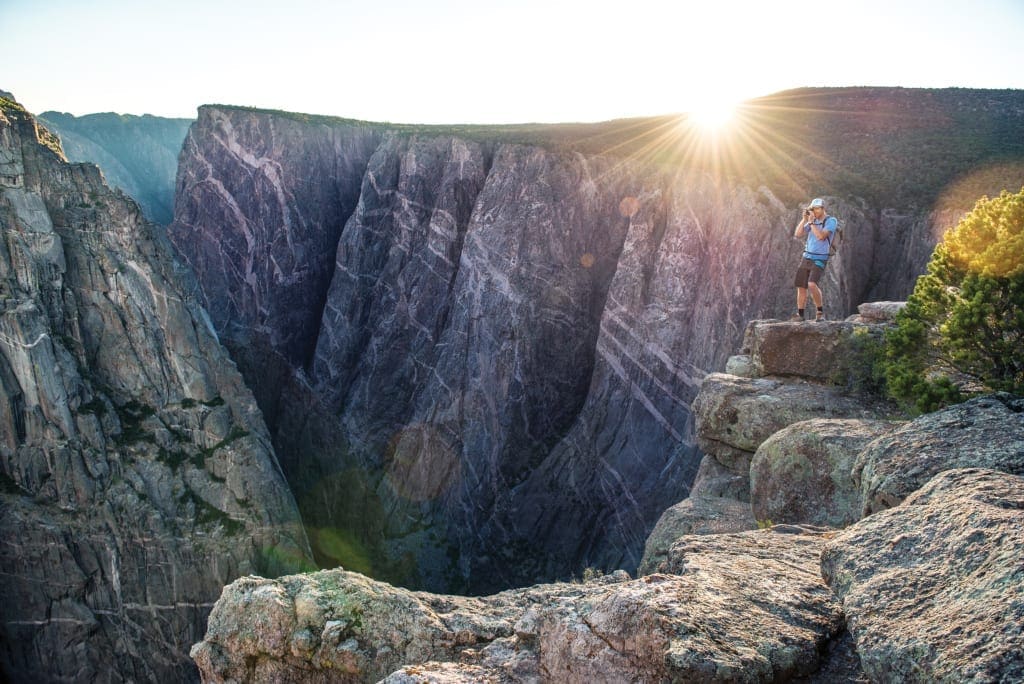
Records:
x=801, y=228
x=823, y=233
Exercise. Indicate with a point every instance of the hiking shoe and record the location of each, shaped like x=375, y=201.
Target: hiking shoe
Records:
x=819, y=317
x=796, y=318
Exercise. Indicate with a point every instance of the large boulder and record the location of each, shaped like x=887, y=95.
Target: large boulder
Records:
x=735, y=415
x=985, y=432
x=346, y=625
x=797, y=349
x=933, y=589
x=707, y=621
x=802, y=473
x=877, y=312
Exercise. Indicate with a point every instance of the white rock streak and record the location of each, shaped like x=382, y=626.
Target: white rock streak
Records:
x=613, y=362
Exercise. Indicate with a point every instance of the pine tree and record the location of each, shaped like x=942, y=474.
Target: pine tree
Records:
x=966, y=315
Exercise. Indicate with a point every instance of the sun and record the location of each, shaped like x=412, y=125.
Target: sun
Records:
x=714, y=114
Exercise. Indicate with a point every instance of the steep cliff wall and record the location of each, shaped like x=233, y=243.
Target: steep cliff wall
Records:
x=136, y=474
x=261, y=202
x=138, y=154
x=486, y=380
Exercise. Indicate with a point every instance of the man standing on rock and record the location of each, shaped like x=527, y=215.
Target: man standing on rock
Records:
x=820, y=228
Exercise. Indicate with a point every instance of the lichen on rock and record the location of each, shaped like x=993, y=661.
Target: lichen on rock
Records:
x=933, y=588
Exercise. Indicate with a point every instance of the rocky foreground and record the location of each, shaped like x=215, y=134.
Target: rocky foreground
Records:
x=894, y=556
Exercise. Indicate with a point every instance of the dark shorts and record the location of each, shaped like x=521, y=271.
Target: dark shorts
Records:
x=807, y=272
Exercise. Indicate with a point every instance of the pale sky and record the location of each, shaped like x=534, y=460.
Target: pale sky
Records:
x=472, y=61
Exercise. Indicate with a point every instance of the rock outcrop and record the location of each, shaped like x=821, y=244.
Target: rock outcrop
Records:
x=929, y=577
x=933, y=589
x=138, y=154
x=778, y=449
x=136, y=474
x=703, y=619
x=736, y=415
x=986, y=432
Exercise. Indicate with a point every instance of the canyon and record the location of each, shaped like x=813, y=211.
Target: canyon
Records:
x=461, y=359
x=476, y=348
x=137, y=154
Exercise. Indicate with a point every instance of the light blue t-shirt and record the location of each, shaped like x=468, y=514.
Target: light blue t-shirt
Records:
x=815, y=249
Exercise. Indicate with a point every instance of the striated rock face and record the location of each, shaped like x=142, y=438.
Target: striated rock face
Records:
x=933, y=589
x=138, y=154
x=706, y=622
x=136, y=474
x=985, y=432
x=259, y=206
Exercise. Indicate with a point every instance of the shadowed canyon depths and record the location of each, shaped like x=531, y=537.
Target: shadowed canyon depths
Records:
x=477, y=357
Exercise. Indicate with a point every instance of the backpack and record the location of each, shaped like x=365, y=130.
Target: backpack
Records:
x=837, y=237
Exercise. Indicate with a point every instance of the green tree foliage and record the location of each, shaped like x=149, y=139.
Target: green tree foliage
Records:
x=965, y=318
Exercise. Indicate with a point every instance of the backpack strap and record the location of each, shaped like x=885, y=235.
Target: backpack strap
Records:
x=832, y=237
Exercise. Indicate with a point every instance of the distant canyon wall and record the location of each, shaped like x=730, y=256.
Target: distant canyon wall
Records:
x=138, y=154
x=477, y=358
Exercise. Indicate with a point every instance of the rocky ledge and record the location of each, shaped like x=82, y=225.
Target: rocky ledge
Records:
x=703, y=618
x=928, y=589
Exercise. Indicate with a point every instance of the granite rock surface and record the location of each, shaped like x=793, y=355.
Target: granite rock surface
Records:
x=804, y=472
x=735, y=415
x=695, y=514
x=704, y=618
x=984, y=432
x=933, y=589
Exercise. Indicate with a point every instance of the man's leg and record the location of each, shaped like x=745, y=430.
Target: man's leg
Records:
x=812, y=285
x=815, y=294
x=800, y=283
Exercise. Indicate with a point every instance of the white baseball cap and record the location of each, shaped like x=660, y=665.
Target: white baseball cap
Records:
x=816, y=202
